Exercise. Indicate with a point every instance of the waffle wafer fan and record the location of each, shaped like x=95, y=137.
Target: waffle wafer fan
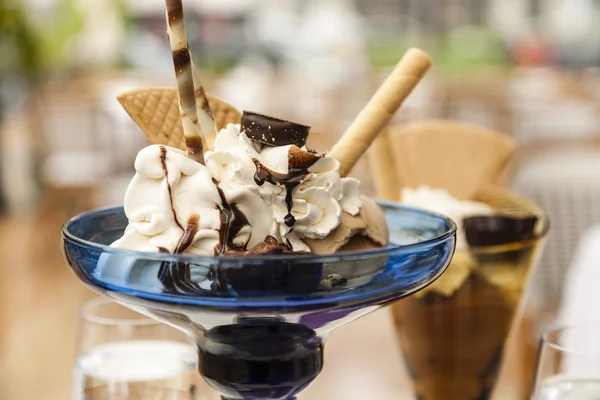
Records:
x=453, y=333
x=452, y=155
x=156, y=112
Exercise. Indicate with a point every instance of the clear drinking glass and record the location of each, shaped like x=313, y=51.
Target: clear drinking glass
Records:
x=568, y=364
x=123, y=355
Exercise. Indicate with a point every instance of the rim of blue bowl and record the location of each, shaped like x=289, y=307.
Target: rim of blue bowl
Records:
x=301, y=302
x=349, y=255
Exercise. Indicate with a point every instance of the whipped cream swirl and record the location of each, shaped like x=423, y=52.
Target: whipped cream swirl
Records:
x=317, y=201
x=176, y=205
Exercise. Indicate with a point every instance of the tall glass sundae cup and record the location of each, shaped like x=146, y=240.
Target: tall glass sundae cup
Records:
x=260, y=341
x=253, y=244
x=453, y=333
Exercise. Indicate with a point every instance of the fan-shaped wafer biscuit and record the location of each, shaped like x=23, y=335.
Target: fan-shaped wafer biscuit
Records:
x=456, y=156
x=156, y=112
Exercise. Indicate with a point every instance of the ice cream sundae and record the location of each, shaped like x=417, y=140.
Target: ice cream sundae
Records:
x=217, y=182
x=230, y=226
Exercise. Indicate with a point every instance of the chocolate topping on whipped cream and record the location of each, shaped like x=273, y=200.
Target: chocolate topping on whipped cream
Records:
x=163, y=164
x=299, y=161
x=273, y=131
x=233, y=221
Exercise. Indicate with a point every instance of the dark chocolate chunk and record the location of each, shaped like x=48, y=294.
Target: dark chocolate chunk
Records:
x=493, y=230
x=299, y=159
x=273, y=131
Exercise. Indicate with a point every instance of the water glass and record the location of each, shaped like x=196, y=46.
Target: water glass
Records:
x=568, y=364
x=123, y=355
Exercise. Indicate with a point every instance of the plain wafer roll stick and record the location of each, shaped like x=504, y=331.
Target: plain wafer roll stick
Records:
x=383, y=169
x=182, y=62
x=379, y=110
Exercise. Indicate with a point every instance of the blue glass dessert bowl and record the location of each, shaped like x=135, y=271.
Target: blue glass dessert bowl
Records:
x=260, y=321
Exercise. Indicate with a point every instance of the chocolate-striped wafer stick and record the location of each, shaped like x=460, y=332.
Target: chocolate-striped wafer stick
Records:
x=182, y=62
x=204, y=112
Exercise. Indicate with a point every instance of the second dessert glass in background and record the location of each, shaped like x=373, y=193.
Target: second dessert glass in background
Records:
x=453, y=339
x=453, y=334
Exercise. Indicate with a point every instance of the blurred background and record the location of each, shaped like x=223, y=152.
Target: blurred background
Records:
x=528, y=68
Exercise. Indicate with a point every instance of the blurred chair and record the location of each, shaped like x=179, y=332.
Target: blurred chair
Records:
x=84, y=141
x=557, y=123
x=481, y=99
x=581, y=283
x=566, y=185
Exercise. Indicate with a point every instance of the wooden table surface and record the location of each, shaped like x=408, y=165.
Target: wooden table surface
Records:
x=39, y=301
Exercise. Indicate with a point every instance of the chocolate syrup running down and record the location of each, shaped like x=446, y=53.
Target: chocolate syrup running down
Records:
x=163, y=163
x=299, y=161
x=187, y=238
x=233, y=221
x=176, y=276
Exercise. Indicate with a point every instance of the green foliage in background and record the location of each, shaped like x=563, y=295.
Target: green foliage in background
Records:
x=471, y=47
x=30, y=45
x=385, y=51
x=18, y=44
x=462, y=49
x=56, y=34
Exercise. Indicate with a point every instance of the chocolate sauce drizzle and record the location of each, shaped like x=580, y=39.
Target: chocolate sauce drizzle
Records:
x=163, y=163
x=233, y=221
x=176, y=276
x=187, y=238
x=299, y=162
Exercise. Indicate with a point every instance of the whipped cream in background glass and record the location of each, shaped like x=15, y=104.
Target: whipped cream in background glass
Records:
x=177, y=205
x=442, y=202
